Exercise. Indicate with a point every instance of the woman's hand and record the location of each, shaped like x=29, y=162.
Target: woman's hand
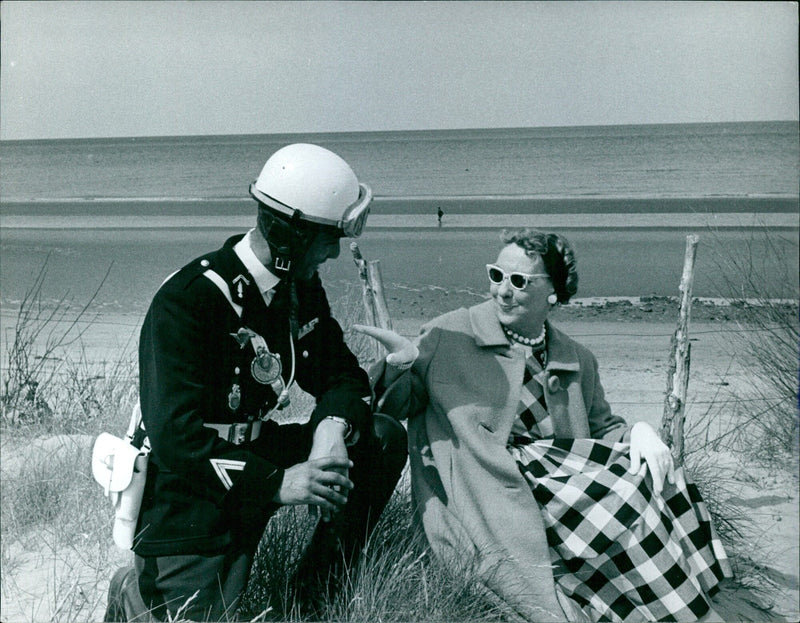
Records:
x=648, y=451
x=401, y=350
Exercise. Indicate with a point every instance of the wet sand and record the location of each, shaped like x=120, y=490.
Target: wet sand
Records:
x=612, y=261
x=427, y=220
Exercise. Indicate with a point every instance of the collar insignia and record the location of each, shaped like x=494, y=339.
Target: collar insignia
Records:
x=238, y=281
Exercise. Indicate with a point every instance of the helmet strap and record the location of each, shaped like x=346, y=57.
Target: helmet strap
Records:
x=294, y=326
x=287, y=242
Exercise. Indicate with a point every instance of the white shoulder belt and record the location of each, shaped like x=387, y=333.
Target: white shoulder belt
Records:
x=218, y=281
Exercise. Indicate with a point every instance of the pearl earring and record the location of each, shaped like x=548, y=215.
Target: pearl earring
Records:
x=552, y=299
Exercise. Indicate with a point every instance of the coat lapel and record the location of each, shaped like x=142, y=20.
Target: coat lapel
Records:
x=489, y=335
x=243, y=287
x=562, y=392
x=562, y=387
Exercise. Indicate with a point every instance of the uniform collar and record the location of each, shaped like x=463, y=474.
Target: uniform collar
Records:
x=264, y=279
x=561, y=351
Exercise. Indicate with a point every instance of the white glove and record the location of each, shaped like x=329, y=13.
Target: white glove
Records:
x=648, y=451
x=402, y=351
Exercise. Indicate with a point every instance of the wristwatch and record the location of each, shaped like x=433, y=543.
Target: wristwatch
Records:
x=348, y=427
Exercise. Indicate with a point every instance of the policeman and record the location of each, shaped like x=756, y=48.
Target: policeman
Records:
x=223, y=341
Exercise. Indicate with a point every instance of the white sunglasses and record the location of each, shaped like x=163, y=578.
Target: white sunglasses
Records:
x=518, y=281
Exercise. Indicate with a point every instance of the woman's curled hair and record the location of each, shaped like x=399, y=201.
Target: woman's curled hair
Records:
x=556, y=253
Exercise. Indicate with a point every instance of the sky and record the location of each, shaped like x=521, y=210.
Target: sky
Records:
x=102, y=69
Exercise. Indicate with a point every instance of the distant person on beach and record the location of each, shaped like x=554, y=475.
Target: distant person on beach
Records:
x=521, y=472
x=224, y=340
x=440, y=214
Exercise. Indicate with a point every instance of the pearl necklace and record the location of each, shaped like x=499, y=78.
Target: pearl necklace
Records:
x=529, y=341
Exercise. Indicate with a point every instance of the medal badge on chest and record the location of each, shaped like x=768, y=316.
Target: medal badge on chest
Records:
x=243, y=336
x=266, y=366
x=235, y=397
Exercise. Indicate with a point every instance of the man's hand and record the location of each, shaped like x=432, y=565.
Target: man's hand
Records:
x=648, y=451
x=313, y=482
x=329, y=443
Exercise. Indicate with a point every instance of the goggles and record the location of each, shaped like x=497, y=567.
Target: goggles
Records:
x=350, y=225
x=518, y=281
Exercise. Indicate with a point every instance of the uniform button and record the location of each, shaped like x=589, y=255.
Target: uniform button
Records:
x=236, y=370
x=204, y=263
x=305, y=354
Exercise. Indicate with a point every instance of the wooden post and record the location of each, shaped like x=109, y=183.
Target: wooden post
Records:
x=372, y=294
x=378, y=297
x=678, y=373
x=366, y=291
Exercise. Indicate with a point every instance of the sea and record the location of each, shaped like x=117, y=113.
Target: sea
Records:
x=110, y=218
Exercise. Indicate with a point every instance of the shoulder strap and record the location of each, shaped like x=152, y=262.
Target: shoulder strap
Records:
x=218, y=281
x=134, y=425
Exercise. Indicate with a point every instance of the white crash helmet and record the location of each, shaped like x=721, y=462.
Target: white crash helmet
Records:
x=313, y=184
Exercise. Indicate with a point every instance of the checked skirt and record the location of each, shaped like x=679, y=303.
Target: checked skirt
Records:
x=619, y=551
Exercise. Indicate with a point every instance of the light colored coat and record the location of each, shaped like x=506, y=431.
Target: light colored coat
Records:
x=461, y=398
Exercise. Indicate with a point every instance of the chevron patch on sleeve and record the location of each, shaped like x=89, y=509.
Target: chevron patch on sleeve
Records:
x=223, y=466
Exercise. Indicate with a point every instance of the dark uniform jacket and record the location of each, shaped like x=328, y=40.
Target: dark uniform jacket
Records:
x=189, y=360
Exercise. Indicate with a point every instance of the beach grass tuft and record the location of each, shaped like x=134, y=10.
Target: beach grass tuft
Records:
x=395, y=580
x=765, y=422
x=56, y=550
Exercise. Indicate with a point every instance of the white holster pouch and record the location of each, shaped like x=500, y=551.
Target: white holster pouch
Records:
x=121, y=469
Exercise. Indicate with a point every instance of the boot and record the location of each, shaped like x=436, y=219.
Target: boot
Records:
x=124, y=600
x=115, y=609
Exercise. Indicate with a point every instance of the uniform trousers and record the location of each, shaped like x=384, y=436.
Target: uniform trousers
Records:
x=208, y=587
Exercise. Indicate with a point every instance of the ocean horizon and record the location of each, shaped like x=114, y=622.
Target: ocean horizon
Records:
x=626, y=196
x=470, y=170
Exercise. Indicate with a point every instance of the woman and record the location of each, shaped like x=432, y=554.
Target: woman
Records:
x=501, y=404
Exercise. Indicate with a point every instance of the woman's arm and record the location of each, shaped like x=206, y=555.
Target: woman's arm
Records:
x=603, y=424
x=398, y=380
x=647, y=450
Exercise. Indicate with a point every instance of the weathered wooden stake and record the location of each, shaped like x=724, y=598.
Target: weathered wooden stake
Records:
x=366, y=291
x=680, y=356
x=372, y=294
x=378, y=296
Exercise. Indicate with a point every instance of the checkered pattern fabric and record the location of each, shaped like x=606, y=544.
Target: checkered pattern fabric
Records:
x=533, y=420
x=619, y=551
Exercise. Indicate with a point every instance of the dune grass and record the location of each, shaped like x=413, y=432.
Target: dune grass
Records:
x=766, y=420
x=754, y=424
x=56, y=550
x=56, y=525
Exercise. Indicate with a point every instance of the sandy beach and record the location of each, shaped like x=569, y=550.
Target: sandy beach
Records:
x=631, y=339
x=133, y=135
